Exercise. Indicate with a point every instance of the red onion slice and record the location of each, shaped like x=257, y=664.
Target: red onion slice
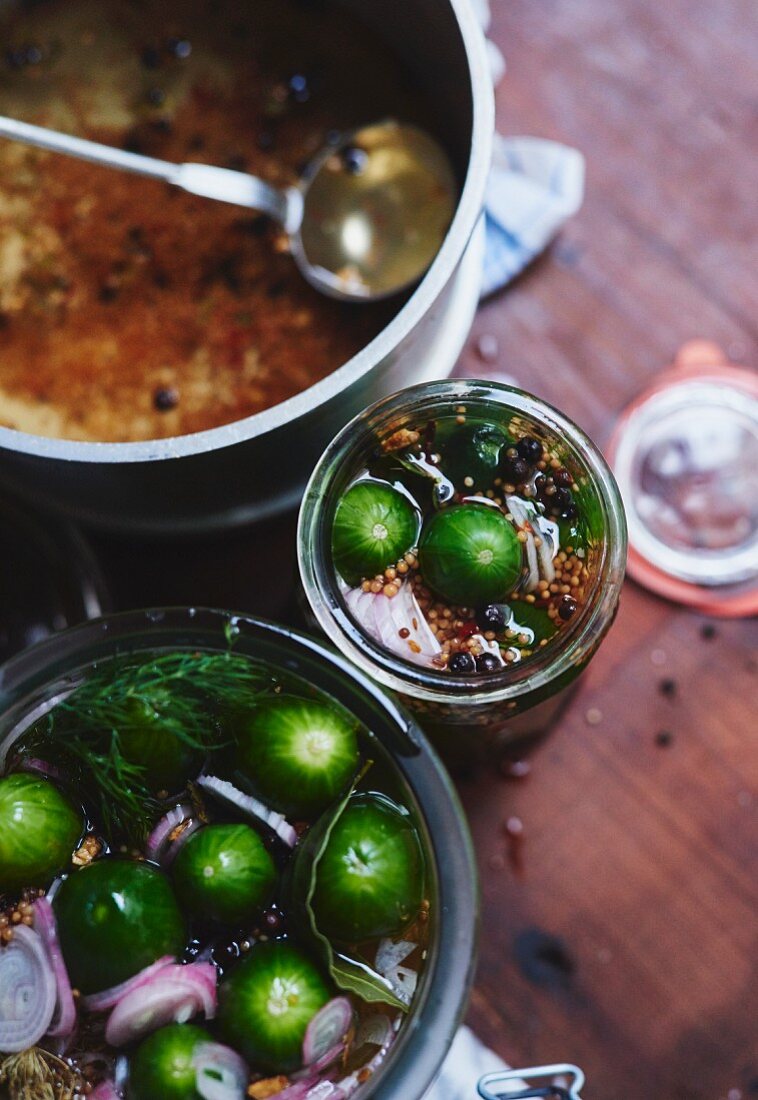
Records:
x=106, y=1090
x=298, y=1090
x=221, y=788
x=172, y=995
x=220, y=1073
x=325, y=1034
x=159, y=837
x=27, y=991
x=64, y=1017
x=101, y=1002
x=41, y=767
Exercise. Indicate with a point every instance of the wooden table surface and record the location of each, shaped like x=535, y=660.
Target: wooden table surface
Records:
x=625, y=937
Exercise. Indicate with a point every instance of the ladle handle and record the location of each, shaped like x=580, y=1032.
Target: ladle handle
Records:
x=207, y=180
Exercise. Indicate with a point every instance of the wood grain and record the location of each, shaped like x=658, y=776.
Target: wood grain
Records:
x=626, y=937
x=640, y=860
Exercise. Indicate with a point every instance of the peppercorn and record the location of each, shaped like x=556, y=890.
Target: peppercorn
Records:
x=272, y=920
x=562, y=498
x=462, y=664
x=299, y=87
x=166, y=398
x=495, y=616
x=516, y=470
x=354, y=159
x=563, y=478
x=487, y=663
x=180, y=48
x=567, y=607
x=530, y=449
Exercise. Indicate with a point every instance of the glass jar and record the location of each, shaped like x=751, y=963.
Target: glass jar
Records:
x=467, y=715
x=34, y=680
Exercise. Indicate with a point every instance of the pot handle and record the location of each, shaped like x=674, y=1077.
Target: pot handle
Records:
x=489, y=1083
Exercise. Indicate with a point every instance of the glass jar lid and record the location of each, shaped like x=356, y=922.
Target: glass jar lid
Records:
x=685, y=455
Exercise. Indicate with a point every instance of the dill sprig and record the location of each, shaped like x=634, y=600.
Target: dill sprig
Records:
x=187, y=696
x=184, y=687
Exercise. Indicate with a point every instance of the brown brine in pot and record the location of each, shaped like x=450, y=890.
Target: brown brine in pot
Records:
x=130, y=310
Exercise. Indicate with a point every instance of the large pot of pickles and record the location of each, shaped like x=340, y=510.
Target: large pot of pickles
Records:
x=464, y=544
x=230, y=867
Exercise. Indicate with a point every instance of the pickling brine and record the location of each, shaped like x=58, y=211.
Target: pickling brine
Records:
x=212, y=884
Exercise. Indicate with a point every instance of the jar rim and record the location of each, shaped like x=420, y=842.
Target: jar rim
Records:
x=576, y=640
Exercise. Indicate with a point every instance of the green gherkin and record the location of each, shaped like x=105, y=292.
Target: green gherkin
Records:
x=39, y=830
x=116, y=917
x=470, y=554
x=266, y=1004
x=224, y=873
x=370, y=880
x=295, y=754
x=163, y=1064
x=374, y=525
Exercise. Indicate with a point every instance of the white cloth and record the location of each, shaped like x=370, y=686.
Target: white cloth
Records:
x=468, y=1060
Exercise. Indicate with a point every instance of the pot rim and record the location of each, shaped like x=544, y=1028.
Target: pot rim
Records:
x=441, y=999
x=465, y=219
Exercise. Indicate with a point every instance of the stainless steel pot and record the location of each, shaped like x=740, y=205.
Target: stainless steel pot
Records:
x=257, y=467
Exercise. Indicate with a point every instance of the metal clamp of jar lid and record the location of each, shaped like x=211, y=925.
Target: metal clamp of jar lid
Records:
x=489, y=1084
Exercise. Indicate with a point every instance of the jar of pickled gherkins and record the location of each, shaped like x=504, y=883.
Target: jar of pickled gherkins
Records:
x=464, y=544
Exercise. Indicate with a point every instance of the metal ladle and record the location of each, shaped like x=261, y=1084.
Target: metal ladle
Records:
x=365, y=221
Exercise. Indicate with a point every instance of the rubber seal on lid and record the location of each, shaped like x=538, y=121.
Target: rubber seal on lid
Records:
x=685, y=455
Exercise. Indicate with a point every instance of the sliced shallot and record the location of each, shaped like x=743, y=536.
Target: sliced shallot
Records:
x=64, y=1018
x=519, y=510
x=27, y=991
x=348, y=1085
x=249, y=805
x=397, y=622
x=389, y=957
x=106, y=1090
x=375, y=1030
x=548, y=548
x=41, y=767
x=327, y=1030
x=160, y=846
x=107, y=998
x=172, y=995
x=220, y=1073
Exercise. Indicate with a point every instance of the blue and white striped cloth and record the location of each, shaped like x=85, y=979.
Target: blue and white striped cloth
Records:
x=534, y=186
